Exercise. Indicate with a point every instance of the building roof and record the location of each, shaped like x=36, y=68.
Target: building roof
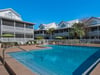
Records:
x=7, y=18
x=47, y=26
x=16, y=20
x=93, y=18
x=10, y=9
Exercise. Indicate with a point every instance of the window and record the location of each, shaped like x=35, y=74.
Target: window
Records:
x=19, y=35
x=29, y=36
x=63, y=25
x=29, y=26
x=42, y=27
x=8, y=22
x=18, y=24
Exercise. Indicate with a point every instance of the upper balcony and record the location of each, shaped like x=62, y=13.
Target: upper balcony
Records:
x=16, y=29
x=94, y=33
x=15, y=39
x=61, y=34
x=43, y=35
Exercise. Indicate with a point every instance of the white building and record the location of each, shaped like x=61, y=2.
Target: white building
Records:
x=67, y=24
x=47, y=26
x=12, y=23
x=62, y=29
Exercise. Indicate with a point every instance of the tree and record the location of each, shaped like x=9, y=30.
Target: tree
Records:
x=78, y=30
x=50, y=32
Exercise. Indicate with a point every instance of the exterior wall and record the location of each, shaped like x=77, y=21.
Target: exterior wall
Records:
x=22, y=32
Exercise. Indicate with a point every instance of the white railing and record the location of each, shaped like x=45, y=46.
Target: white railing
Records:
x=61, y=34
x=16, y=29
x=36, y=35
x=15, y=39
x=93, y=33
x=7, y=28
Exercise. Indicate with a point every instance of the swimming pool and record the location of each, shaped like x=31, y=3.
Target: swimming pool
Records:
x=58, y=60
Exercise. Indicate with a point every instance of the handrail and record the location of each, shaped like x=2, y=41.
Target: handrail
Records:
x=3, y=52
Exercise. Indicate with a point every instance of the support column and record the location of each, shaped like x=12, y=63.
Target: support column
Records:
x=43, y=34
x=33, y=32
x=89, y=33
x=98, y=31
x=68, y=34
x=25, y=32
x=15, y=31
x=1, y=30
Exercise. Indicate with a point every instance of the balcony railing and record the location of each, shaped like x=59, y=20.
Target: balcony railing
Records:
x=16, y=29
x=61, y=34
x=15, y=39
x=41, y=35
x=7, y=28
x=94, y=33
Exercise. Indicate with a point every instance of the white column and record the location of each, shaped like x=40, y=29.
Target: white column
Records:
x=33, y=32
x=89, y=33
x=43, y=34
x=68, y=33
x=24, y=32
x=98, y=31
x=15, y=31
x=1, y=29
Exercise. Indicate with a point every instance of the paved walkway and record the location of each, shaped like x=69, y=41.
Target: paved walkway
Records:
x=96, y=70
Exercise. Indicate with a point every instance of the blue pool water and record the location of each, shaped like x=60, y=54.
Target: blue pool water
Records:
x=58, y=60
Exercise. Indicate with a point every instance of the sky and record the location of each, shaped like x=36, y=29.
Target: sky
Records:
x=47, y=11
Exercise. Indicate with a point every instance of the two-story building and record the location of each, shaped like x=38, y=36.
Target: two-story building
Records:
x=63, y=28
x=11, y=23
x=42, y=30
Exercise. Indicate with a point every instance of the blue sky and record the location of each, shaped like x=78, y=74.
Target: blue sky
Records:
x=47, y=11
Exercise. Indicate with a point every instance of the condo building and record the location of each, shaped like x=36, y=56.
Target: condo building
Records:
x=11, y=23
x=62, y=29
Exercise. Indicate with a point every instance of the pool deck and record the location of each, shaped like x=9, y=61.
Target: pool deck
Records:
x=96, y=70
x=3, y=70
x=20, y=69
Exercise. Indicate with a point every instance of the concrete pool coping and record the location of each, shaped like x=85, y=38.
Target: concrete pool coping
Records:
x=96, y=70
x=3, y=70
x=91, y=70
x=20, y=69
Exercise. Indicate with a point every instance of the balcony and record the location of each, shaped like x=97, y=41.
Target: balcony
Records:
x=61, y=34
x=27, y=30
x=15, y=39
x=7, y=28
x=36, y=35
x=94, y=33
x=16, y=29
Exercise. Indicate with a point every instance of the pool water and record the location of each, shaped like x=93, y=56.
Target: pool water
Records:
x=58, y=60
